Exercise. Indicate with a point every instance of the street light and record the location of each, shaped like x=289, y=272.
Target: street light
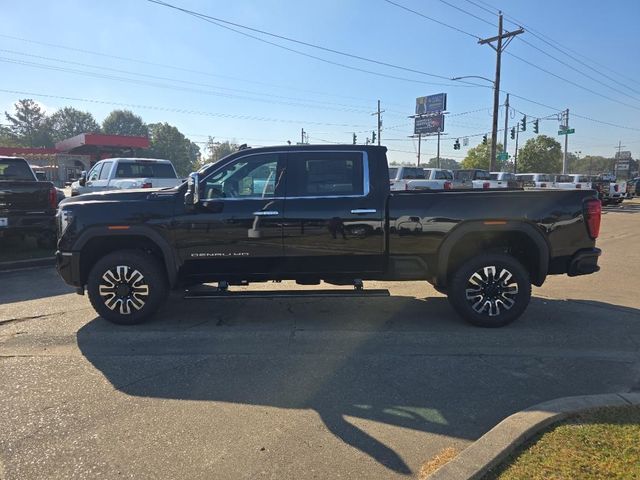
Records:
x=476, y=76
x=494, y=124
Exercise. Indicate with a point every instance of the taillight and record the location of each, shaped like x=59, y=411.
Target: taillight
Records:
x=447, y=185
x=592, y=215
x=578, y=185
x=543, y=185
x=53, y=198
x=146, y=185
x=486, y=185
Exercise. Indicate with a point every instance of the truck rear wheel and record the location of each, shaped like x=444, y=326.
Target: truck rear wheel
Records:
x=490, y=290
x=127, y=287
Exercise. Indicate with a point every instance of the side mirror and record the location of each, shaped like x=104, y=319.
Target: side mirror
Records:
x=83, y=178
x=192, y=196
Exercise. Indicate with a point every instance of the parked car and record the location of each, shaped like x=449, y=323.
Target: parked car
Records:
x=126, y=173
x=415, y=178
x=536, y=180
x=484, y=248
x=572, y=181
x=508, y=177
x=475, y=178
x=635, y=186
x=631, y=188
x=27, y=206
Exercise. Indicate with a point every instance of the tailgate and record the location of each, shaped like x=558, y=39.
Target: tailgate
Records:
x=18, y=198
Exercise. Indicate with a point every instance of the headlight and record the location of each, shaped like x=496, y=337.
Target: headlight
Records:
x=65, y=218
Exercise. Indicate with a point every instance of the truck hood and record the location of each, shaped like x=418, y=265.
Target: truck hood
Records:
x=111, y=196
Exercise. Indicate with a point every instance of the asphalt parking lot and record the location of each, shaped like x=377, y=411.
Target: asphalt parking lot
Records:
x=298, y=388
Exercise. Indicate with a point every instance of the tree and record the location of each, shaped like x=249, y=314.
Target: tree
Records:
x=28, y=126
x=446, y=163
x=69, y=122
x=124, y=122
x=590, y=164
x=218, y=150
x=541, y=154
x=479, y=156
x=167, y=142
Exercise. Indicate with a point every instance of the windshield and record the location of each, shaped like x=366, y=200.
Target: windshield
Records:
x=144, y=170
x=15, y=169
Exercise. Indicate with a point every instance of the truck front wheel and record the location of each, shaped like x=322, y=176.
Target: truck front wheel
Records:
x=490, y=290
x=126, y=287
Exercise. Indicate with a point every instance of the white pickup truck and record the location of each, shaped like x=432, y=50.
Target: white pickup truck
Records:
x=417, y=178
x=476, y=178
x=125, y=173
x=573, y=181
x=536, y=180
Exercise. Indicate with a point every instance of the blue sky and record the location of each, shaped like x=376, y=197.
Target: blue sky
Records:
x=207, y=80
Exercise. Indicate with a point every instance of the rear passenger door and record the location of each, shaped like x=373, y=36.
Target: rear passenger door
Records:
x=333, y=220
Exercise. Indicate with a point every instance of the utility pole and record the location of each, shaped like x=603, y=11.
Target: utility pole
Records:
x=499, y=48
x=438, y=154
x=515, y=156
x=378, y=113
x=617, y=158
x=419, y=144
x=506, y=123
x=566, y=141
x=302, y=136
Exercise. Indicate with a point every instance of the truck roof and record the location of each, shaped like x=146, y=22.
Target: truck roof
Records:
x=130, y=159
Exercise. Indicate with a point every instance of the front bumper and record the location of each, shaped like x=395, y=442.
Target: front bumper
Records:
x=68, y=266
x=584, y=262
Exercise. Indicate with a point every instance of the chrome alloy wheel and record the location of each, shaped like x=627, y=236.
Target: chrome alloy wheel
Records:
x=489, y=292
x=123, y=289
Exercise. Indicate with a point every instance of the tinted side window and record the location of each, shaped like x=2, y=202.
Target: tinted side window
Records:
x=326, y=174
x=564, y=179
x=106, y=170
x=525, y=178
x=482, y=175
x=463, y=175
x=413, y=173
x=254, y=176
x=94, y=174
x=392, y=173
x=442, y=175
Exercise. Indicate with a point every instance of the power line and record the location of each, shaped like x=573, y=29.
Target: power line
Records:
x=482, y=8
x=557, y=46
x=433, y=19
x=572, y=82
x=218, y=21
x=173, y=67
x=467, y=12
x=262, y=97
x=576, y=70
x=179, y=110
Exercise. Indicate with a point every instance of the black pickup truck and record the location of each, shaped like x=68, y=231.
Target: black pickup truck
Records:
x=322, y=213
x=27, y=206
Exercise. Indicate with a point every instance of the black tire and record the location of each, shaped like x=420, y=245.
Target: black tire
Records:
x=484, y=300
x=127, y=287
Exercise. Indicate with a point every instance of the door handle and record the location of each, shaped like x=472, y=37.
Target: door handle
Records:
x=266, y=213
x=358, y=211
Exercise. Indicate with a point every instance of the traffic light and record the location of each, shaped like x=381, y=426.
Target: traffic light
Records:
x=536, y=125
x=513, y=133
x=373, y=137
x=456, y=145
x=484, y=139
x=524, y=123
x=355, y=138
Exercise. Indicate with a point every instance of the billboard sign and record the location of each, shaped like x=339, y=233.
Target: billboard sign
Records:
x=427, y=125
x=431, y=104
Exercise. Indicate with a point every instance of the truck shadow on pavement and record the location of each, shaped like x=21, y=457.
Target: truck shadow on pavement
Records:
x=401, y=361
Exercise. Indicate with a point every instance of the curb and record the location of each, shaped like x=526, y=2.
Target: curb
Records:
x=29, y=263
x=499, y=442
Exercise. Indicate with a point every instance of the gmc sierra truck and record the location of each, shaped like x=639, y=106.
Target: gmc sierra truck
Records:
x=27, y=206
x=321, y=213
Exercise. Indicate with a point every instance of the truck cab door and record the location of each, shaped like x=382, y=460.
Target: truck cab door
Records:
x=102, y=182
x=236, y=227
x=334, y=217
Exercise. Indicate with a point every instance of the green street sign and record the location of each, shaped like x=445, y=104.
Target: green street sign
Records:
x=503, y=156
x=566, y=132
